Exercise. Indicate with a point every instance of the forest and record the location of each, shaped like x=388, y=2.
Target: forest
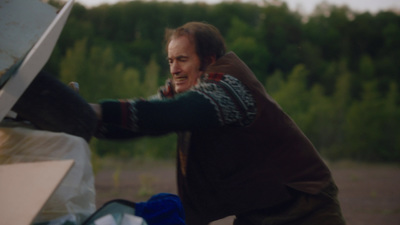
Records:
x=336, y=71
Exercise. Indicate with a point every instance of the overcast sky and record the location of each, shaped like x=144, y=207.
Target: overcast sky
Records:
x=305, y=5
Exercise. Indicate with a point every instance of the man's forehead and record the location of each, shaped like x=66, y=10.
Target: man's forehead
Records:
x=180, y=46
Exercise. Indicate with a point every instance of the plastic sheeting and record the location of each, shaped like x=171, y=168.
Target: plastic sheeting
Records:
x=74, y=199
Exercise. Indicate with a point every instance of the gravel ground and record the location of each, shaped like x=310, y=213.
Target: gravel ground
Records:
x=369, y=193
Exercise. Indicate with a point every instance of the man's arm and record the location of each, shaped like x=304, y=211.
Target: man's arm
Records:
x=51, y=105
x=206, y=106
x=187, y=111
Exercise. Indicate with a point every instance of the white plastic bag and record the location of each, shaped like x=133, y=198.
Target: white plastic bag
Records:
x=74, y=199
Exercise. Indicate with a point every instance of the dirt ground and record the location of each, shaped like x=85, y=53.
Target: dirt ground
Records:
x=369, y=194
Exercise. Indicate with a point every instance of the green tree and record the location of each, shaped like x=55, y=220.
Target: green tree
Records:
x=366, y=67
x=72, y=66
x=367, y=121
x=274, y=82
x=221, y=15
x=129, y=84
x=329, y=28
x=280, y=31
x=151, y=83
x=241, y=39
x=293, y=96
x=388, y=66
x=334, y=146
x=311, y=57
x=390, y=148
x=318, y=118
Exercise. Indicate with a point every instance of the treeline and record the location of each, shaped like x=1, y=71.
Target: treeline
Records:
x=335, y=71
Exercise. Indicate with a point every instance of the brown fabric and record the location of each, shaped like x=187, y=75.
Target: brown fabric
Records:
x=304, y=209
x=231, y=171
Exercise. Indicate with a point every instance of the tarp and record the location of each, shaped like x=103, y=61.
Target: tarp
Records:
x=74, y=199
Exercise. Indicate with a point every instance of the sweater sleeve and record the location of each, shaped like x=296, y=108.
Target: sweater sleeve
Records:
x=205, y=106
x=187, y=111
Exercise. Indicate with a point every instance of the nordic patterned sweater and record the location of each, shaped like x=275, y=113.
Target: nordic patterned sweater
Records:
x=217, y=100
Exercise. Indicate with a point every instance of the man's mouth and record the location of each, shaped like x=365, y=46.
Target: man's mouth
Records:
x=180, y=79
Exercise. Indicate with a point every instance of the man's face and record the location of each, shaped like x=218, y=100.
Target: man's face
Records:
x=184, y=63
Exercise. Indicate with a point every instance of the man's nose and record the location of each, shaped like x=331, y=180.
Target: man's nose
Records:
x=175, y=68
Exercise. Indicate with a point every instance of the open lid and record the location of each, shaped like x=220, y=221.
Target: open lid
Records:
x=30, y=30
x=26, y=187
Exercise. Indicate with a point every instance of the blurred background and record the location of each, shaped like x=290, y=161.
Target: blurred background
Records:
x=334, y=69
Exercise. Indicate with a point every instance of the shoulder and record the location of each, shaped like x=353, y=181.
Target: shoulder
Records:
x=230, y=96
x=223, y=84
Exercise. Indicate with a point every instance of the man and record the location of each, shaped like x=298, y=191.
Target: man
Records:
x=238, y=152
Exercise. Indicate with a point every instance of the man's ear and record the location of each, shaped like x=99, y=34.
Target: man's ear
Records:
x=209, y=60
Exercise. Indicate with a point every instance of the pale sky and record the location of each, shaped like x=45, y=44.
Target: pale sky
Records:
x=306, y=6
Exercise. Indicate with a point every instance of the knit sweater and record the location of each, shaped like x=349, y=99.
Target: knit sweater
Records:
x=217, y=100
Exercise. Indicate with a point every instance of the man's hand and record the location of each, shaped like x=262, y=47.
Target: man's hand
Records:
x=167, y=90
x=97, y=110
x=74, y=86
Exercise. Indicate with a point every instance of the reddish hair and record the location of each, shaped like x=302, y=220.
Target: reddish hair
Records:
x=208, y=40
